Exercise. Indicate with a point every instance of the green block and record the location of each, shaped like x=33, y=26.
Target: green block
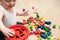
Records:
x=54, y=26
x=37, y=15
x=50, y=37
x=46, y=29
x=28, y=27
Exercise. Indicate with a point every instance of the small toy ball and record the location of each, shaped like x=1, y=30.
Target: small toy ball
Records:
x=54, y=26
x=21, y=32
x=32, y=37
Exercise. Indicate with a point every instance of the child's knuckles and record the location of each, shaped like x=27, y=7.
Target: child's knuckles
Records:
x=10, y=34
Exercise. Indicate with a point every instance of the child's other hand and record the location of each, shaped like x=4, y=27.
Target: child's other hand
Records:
x=8, y=32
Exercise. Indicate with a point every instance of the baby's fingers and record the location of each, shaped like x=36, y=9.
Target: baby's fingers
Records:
x=7, y=35
x=13, y=32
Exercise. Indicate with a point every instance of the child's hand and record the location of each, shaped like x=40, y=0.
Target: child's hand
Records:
x=25, y=13
x=8, y=32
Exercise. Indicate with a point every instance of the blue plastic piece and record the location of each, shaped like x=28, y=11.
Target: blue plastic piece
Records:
x=20, y=23
x=43, y=36
x=48, y=33
x=47, y=22
x=41, y=26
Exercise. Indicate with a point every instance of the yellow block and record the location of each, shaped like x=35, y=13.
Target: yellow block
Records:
x=58, y=38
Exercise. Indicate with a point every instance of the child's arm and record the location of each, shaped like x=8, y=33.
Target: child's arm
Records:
x=6, y=31
x=25, y=13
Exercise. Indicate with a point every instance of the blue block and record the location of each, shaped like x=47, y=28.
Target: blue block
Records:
x=41, y=26
x=43, y=36
x=20, y=23
x=48, y=33
x=47, y=22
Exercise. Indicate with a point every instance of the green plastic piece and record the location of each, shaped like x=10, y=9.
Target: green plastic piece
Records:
x=54, y=26
x=28, y=22
x=37, y=15
x=28, y=27
x=50, y=37
x=46, y=29
x=59, y=27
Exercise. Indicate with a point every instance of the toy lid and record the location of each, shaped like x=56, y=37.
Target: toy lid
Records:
x=21, y=32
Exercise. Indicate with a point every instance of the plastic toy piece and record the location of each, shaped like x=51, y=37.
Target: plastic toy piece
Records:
x=37, y=15
x=21, y=32
x=58, y=38
x=29, y=27
x=47, y=22
x=48, y=33
x=49, y=38
x=54, y=26
x=41, y=27
x=45, y=35
x=28, y=21
x=46, y=29
x=41, y=22
x=24, y=22
x=37, y=32
x=42, y=18
x=59, y=27
x=31, y=19
x=37, y=19
x=20, y=23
